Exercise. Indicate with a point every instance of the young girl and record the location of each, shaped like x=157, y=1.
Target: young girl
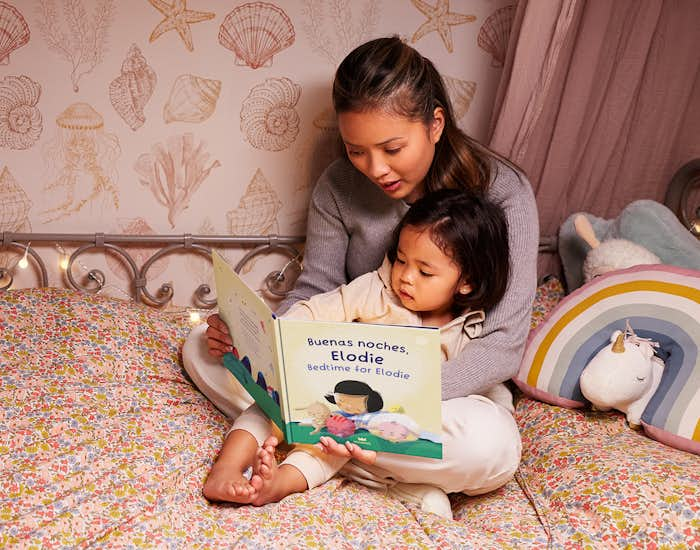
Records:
x=448, y=263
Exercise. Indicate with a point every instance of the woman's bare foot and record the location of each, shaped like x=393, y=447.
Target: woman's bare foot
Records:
x=272, y=482
x=347, y=450
x=226, y=483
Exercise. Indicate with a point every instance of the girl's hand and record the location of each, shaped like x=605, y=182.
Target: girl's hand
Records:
x=348, y=450
x=218, y=337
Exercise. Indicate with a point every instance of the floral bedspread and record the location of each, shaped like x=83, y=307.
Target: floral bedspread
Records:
x=105, y=442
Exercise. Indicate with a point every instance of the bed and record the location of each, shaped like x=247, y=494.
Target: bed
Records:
x=106, y=442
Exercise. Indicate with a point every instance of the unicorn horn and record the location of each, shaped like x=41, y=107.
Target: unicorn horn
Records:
x=619, y=346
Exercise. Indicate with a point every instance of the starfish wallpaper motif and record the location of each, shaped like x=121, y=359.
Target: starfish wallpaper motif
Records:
x=162, y=97
x=440, y=19
x=178, y=17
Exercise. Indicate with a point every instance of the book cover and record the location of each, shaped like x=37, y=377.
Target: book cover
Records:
x=375, y=385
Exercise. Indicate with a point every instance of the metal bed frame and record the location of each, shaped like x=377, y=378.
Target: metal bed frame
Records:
x=198, y=244
x=682, y=197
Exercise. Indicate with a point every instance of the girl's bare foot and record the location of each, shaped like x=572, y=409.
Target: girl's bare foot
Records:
x=347, y=450
x=226, y=483
x=271, y=482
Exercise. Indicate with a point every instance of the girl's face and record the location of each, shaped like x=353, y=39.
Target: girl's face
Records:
x=351, y=404
x=424, y=278
x=394, y=152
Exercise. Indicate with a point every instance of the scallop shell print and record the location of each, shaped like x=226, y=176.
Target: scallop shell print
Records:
x=132, y=89
x=14, y=31
x=268, y=118
x=14, y=203
x=461, y=93
x=494, y=33
x=192, y=99
x=255, y=32
x=257, y=210
x=20, y=119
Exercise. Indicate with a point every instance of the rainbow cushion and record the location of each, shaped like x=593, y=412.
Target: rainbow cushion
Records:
x=662, y=303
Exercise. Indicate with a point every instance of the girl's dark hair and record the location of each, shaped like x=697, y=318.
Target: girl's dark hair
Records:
x=389, y=75
x=472, y=231
x=353, y=387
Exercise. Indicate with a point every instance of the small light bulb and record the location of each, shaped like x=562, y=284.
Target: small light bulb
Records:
x=23, y=262
x=195, y=318
x=63, y=262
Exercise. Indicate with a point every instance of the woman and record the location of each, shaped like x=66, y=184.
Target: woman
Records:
x=402, y=141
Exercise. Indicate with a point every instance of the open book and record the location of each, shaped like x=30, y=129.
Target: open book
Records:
x=302, y=372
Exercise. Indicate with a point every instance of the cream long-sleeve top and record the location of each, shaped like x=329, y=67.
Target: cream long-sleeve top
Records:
x=370, y=299
x=350, y=227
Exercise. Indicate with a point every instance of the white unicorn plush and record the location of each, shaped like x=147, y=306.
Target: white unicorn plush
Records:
x=623, y=375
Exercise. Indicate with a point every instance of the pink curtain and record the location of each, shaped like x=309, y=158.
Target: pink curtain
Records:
x=599, y=102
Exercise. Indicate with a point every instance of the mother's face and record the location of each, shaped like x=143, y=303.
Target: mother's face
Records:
x=394, y=152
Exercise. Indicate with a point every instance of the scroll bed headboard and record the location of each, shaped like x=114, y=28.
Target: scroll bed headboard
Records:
x=166, y=244
x=682, y=197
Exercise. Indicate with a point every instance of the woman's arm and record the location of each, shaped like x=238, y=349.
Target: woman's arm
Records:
x=495, y=356
x=325, y=249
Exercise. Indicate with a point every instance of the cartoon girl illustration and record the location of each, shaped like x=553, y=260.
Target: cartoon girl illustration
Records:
x=355, y=398
x=361, y=407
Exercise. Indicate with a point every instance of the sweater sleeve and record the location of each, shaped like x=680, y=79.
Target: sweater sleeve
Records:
x=495, y=356
x=326, y=245
x=359, y=300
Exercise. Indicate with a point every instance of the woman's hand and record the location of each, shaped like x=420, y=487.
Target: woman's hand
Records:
x=218, y=337
x=348, y=450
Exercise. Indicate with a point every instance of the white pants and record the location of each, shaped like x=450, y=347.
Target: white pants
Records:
x=480, y=447
x=480, y=439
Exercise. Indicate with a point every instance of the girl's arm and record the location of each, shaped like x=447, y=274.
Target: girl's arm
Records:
x=359, y=300
x=495, y=356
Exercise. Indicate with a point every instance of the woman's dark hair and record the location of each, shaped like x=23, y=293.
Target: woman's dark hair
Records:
x=473, y=232
x=391, y=76
x=353, y=387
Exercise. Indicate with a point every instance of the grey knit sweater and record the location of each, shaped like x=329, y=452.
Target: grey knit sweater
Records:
x=349, y=229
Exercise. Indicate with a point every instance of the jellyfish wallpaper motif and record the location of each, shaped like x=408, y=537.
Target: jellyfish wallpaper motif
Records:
x=202, y=117
x=84, y=155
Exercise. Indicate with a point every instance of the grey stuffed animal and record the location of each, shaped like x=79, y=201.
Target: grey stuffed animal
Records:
x=645, y=222
x=611, y=254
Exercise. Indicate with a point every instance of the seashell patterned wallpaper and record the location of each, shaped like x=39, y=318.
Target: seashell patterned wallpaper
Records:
x=199, y=116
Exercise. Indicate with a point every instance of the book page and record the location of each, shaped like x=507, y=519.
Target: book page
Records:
x=333, y=373
x=251, y=323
